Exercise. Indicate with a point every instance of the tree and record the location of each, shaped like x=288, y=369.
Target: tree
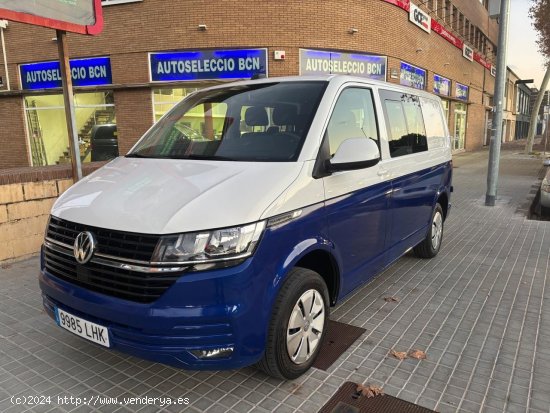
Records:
x=540, y=15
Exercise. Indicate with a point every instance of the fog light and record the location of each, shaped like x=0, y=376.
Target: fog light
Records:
x=214, y=353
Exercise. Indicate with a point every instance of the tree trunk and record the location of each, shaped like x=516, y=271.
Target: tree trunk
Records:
x=535, y=112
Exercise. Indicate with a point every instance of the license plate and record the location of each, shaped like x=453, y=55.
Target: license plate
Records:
x=83, y=328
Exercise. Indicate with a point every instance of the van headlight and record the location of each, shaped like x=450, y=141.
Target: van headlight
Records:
x=206, y=247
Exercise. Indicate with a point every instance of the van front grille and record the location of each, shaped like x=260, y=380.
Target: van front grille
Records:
x=109, y=277
x=120, y=244
x=116, y=282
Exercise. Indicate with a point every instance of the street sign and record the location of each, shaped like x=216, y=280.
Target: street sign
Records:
x=77, y=16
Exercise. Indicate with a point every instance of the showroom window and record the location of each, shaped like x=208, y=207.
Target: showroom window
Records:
x=47, y=128
x=166, y=99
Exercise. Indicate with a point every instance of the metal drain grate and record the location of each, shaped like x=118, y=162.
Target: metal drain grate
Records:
x=343, y=401
x=339, y=338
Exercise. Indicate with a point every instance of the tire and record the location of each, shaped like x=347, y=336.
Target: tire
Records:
x=432, y=243
x=300, y=286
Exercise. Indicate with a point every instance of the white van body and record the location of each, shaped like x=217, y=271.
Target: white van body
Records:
x=365, y=179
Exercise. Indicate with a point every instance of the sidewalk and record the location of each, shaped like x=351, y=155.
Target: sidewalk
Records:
x=480, y=310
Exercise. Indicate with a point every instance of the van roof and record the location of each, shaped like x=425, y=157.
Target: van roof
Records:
x=332, y=78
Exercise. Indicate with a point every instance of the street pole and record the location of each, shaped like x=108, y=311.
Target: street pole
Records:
x=68, y=99
x=500, y=84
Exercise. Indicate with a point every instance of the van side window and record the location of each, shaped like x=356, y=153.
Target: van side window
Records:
x=353, y=117
x=406, y=130
x=435, y=126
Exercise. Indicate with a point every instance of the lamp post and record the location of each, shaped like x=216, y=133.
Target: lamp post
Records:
x=500, y=84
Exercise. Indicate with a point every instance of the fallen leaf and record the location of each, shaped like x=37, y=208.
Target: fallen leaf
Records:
x=371, y=390
x=391, y=299
x=417, y=354
x=400, y=355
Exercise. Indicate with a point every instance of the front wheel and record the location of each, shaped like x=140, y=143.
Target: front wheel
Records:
x=432, y=243
x=298, y=325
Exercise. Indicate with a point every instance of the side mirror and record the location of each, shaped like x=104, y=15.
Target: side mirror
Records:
x=354, y=153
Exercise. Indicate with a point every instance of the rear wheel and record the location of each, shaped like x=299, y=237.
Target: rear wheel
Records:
x=432, y=243
x=297, y=326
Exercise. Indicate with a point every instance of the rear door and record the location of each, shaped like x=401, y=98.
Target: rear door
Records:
x=357, y=202
x=415, y=175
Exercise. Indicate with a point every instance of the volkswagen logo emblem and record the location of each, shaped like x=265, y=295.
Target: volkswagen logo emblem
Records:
x=84, y=247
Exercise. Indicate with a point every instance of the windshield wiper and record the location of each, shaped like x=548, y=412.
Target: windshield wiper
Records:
x=137, y=155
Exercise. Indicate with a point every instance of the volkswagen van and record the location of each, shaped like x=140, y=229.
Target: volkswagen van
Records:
x=225, y=235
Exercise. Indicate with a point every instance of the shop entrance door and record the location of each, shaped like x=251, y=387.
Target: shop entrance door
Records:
x=460, y=127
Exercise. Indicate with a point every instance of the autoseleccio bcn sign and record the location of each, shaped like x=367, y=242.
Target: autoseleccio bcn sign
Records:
x=208, y=65
x=318, y=62
x=94, y=71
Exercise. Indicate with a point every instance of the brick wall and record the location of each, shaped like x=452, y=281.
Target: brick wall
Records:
x=134, y=114
x=13, y=142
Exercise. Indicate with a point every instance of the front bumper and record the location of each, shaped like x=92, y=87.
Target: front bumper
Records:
x=199, y=312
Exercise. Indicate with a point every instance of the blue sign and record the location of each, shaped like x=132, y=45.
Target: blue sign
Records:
x=461, y=91
x=95, y=71
x=208, y=65
x=318, y=62
x=442, y=85
x=412, y=76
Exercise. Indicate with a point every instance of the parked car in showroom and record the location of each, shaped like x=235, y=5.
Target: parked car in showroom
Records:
x=226, y=247
x=104, y=142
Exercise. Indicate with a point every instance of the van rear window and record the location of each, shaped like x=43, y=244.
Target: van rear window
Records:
x=435, y=127
x=406, y=130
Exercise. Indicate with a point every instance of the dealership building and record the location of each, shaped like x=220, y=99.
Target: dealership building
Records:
x=153, y=53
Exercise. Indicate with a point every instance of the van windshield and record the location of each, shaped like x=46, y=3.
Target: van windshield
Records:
x=266, y=122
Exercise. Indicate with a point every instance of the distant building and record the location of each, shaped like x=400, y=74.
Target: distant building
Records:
x=517, y=108
x=523, y=111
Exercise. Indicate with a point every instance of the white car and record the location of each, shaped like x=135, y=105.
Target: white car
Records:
x=545, y=194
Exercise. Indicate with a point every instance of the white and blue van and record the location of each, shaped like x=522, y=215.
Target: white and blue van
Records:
x=228, y=231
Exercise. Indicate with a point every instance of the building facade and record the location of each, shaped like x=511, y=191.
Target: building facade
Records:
x=509, y=109
x=523, y=111
x=152, y=53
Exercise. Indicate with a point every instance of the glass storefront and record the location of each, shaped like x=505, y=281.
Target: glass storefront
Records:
x=47, y=128
x=459, y=126
x=165, y=99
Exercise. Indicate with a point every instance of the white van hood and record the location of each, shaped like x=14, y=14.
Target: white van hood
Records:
x=163, y=196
